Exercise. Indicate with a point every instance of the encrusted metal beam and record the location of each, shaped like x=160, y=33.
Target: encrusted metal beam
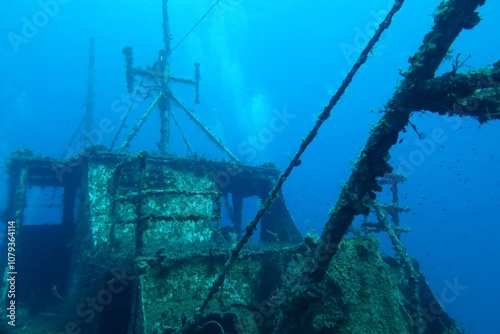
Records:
x=450, y=19
x=475, y=94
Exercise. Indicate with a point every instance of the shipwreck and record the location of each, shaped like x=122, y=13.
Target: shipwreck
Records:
x=139, y=248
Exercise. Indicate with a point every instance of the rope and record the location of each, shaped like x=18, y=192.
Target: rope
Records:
x=182, y=134
x=194, y=27
x=205, y=129
x=325, y=114
x=76, y=132
x=122, y=125
x=136, y=128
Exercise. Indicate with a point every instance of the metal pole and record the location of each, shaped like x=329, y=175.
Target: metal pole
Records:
x=138, y=125
x=89, y=116
x=203, y=127
x=164, y=103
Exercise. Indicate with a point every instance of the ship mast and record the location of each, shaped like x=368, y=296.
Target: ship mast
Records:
x=90, y=102
x=164, y=102
x=159, y=79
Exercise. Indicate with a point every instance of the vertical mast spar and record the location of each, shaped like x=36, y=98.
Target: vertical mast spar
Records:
x=164, y=102
x=90, y=102
x=87, y=123
x=159, y=74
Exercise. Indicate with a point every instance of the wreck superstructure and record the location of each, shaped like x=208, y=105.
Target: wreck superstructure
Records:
x=140, y=247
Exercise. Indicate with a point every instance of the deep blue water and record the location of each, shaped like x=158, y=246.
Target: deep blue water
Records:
x=260, y=59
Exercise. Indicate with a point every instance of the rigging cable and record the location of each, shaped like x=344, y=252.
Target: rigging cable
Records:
x=73, y=136
x=273, y=194
x=184, y=139
x=125, y=117
x=194, y=27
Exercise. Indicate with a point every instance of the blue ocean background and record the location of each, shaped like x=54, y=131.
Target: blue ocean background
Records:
x=260, y=59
